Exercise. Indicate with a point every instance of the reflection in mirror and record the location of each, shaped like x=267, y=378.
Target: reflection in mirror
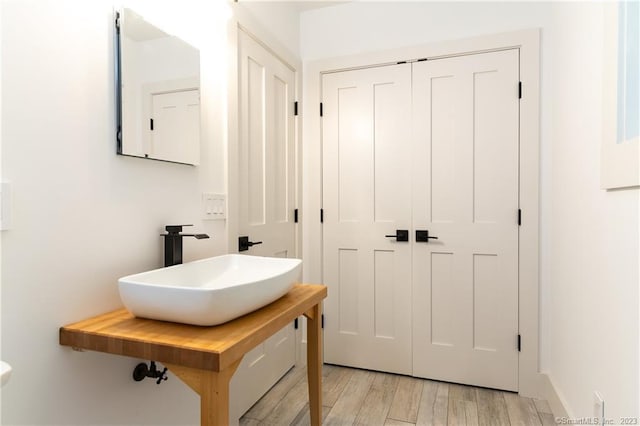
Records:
x=157, y=92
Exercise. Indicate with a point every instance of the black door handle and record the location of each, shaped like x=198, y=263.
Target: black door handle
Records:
x=423, y=237
x=244, y=243
x=400, y=235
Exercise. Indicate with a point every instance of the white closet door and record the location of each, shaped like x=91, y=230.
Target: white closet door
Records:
x=366, y=195
x=465, y=192
x=267, y=197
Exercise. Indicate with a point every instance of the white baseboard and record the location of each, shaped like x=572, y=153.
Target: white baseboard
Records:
x=554, y=398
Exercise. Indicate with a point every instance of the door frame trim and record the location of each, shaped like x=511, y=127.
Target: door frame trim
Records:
x=528, y=43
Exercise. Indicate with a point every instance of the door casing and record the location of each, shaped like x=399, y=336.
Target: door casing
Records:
x=528, y=44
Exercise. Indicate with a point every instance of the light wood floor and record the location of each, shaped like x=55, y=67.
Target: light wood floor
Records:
x=351, y=396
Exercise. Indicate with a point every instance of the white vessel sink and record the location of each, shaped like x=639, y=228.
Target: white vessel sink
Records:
x=209, y=291
x=5, y=372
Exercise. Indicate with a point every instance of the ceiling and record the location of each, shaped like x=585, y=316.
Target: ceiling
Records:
x=299, y=6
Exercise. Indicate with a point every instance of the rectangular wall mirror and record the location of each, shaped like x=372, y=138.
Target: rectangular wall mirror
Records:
x=157, y=92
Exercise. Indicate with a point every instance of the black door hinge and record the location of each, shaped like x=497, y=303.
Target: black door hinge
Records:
x=401, y=62
x=118, y=22
x=151, y=123
x=119, y=138
x=519, y=217
x=295, y=216
x=321, y=215
x=321, y=112
x=295, y=323
x=519, y=343
x=322, y=321
x=519, y=90
x=295, y=108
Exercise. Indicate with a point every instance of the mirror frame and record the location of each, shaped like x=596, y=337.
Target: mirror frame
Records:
x=118, y=81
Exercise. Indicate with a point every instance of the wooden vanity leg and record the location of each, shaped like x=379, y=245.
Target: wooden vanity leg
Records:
x=214, y=396
x=314, y=362
x=213, y=388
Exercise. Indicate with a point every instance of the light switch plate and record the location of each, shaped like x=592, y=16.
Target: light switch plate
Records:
x=214, y=206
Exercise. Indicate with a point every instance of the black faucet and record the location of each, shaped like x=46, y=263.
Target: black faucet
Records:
x=173, y=243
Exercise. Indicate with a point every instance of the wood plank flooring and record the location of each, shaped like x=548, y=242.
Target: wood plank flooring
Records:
x=359, y=397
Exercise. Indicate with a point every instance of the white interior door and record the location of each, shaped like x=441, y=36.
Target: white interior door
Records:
x=267, y=198
x=446, y=308
x=366, y=196
x=465, y=283
x=266, y=150
x=175, y=133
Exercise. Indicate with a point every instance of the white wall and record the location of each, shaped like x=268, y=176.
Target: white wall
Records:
x=84, y=216
x=368, y=26
x=588, y=237
x=593, y=291
x=1, y=233
x=279, y=19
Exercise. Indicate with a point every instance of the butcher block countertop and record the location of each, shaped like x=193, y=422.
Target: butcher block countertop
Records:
x=205, y=358
x=206, y=348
